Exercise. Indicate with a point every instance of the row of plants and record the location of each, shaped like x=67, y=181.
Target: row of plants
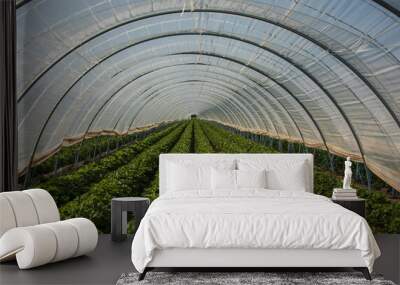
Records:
x=184, y=145
x=201, y=142
x=66, y=187
x=80, y=153
x=225, y=141
x=128, y=180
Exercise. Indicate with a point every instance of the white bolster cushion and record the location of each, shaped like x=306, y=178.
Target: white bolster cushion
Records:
x=37, y=245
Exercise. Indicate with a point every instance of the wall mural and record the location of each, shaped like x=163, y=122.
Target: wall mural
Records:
x=104, y=87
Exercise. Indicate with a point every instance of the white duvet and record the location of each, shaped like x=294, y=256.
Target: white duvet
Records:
x=250, y=219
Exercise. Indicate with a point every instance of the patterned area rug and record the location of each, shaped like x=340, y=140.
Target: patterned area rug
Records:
x=243, y=278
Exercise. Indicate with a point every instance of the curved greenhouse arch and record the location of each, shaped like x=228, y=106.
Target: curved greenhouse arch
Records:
x=314, y=41
x=309, y=76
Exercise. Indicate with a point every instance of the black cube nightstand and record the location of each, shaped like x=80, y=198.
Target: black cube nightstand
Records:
x=119, y=210
x=357, y=205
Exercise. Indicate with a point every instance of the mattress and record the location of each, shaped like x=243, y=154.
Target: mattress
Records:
x=250, y=219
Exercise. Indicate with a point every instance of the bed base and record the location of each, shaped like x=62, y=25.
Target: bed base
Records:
x=242, y=259
x=363, y=270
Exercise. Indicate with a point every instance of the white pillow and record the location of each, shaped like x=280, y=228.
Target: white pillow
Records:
x=251, y=178
x=281, y=175
x=223, y=179
x=180, y=173
x=293, y=178
x=188, y=177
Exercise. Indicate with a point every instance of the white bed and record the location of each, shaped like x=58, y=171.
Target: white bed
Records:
x=250, y=227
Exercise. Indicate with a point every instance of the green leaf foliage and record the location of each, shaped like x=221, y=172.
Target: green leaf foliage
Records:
x=129, y=180
x=66, y=187
x=84, y=152
x=227, y=142
x=201, y=142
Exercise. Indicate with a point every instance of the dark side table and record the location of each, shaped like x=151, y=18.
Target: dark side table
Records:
x=119, y=214
x=357, y=205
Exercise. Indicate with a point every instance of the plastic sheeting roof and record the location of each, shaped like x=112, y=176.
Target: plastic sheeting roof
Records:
x=325, y=73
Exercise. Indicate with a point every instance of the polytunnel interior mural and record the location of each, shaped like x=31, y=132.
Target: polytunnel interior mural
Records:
x=105, y=86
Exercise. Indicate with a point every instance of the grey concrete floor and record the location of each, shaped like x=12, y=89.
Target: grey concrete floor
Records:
x=103, y=266
x=389, y=263
x=111, y=259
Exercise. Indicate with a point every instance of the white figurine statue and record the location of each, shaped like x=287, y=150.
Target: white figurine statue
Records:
x=347, y=174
